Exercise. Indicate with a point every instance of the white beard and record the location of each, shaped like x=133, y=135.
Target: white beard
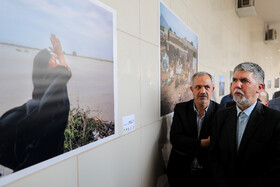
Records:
x=242, y=101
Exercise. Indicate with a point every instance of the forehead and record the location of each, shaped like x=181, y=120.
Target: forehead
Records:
x=202, y=80
x=243, y=74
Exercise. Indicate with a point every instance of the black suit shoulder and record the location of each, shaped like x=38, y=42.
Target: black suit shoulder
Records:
x=276, y=94
x=271, y=113
x=225, y=110
x=224, y=116
x=214, y=106
x=184, y=104
x=275, y=103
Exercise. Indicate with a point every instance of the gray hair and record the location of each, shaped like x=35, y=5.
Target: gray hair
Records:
x=202, y=73
x=252, y=68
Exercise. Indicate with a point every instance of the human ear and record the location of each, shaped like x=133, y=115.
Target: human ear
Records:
x=260, y=87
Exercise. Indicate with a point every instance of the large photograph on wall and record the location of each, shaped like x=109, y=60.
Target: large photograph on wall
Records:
x=57, y=69
x=178, y=60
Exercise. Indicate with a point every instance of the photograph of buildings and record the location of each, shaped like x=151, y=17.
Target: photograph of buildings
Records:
x=178, y=60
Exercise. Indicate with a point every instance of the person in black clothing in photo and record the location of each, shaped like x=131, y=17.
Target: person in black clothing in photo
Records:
x=34, y=131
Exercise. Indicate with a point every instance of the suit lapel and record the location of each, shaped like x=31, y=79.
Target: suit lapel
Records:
x=231, y=126
x=205, y=123
x=255, y=120
x=191, y=119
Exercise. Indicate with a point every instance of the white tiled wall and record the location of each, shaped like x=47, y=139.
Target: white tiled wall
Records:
x=129, y=80
x=135, y=159
x=62, y=174
x=117, y=163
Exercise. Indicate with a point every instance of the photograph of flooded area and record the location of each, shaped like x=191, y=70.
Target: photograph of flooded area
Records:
x=90, y=89
x=178, y=61
x=57, y=69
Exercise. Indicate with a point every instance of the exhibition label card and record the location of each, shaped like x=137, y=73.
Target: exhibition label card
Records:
x=128, y=124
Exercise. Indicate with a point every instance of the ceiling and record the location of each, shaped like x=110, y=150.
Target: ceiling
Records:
x=268, y=10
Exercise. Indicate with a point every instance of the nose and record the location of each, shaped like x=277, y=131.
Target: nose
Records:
x=202, y=90
x=237, y=84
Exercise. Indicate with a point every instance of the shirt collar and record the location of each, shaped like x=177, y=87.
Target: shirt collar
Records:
x=194, y=108
x=248, y=111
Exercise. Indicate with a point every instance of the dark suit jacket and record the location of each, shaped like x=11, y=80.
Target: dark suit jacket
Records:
x=184, y=140
x=276, y=94
x=275, y=103
x=257, y=162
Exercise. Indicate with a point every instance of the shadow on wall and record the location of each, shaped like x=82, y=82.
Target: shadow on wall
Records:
x=164, y=149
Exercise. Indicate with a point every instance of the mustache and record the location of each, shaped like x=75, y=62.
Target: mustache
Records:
x=203, y=95
x=238, y=91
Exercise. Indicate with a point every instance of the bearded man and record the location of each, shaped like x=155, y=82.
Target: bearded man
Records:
x=245, y=144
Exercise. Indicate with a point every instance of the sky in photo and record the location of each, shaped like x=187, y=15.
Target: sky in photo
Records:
x=181, y=29
x=81, y=26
